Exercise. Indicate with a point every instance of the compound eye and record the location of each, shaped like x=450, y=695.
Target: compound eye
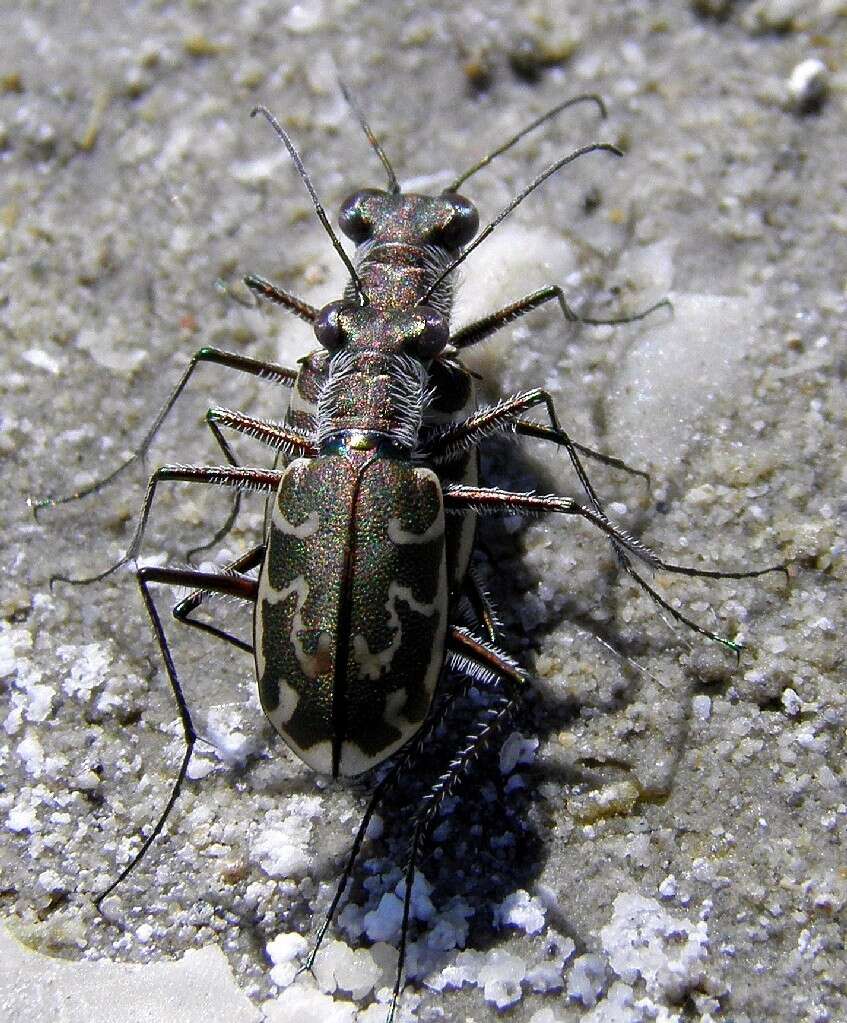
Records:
x=463, y=223
x=432, y=336
x=354, y=217
x=327, y=326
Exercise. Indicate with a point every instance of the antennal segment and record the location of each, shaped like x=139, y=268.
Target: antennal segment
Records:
x=322, y=217
x=393, y=184
x=518, y=199
x=588, y=97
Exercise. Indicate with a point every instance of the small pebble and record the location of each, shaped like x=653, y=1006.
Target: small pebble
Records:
x=808, y=85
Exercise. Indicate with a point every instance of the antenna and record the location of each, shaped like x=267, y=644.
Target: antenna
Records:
x=393, y=184
x=518, y=199
x=322, y=217
x=486, y=160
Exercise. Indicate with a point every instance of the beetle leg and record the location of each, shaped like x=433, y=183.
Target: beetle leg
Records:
x=480, y=661
x=181, y=611
x=267, y=370
x=264, y=289
x=377, y=795
x=459, y=497
x=410, y=754
x=240, y=477
x=527, y=428
x=481, y=605
x=491, y=500
x=488, y=325
x=481, y=664
x=275, y=435
x=451, y=441
x=230, y=456
x=208, y=582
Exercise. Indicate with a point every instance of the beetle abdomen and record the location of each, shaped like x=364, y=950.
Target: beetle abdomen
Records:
x=352, y=608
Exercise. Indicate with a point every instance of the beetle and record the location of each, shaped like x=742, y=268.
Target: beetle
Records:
x=361, y=571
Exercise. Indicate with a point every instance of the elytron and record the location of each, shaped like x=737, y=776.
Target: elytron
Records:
x=362, y=592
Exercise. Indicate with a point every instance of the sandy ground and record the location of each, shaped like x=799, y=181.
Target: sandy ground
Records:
x=136, y=192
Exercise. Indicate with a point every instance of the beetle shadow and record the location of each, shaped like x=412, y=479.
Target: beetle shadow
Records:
x=491, y=843
x=487, y=844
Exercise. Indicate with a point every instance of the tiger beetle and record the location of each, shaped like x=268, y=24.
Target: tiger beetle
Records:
x=361, y=589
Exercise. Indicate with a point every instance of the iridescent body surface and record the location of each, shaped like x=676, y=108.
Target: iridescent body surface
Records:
x=360, y=574
x=352, y=606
